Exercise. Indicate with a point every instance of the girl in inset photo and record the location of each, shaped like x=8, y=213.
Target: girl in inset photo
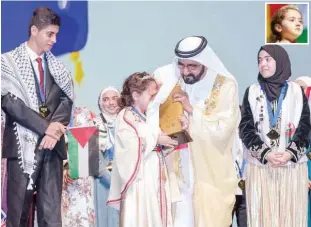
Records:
x=286, y=25
x=275, y=128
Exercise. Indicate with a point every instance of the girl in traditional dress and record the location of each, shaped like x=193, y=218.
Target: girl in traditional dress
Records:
x=139, y=182
x=78, y=194
x=274, y=128
x=108, y=106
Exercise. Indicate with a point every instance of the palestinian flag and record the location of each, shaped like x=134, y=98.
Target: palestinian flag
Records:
x=271, y=8
x=83, y=151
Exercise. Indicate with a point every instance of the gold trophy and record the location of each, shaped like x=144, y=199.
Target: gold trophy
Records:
x=169, y=119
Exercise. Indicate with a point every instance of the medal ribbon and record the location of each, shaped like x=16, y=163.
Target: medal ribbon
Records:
x=273, y=118
x=241, y=170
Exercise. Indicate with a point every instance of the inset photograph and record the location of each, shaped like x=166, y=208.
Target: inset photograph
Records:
x=287, y=23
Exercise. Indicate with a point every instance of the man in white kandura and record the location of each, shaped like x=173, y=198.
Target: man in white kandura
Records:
x=205, y=168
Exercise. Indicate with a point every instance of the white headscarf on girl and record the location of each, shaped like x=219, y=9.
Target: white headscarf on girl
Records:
x=109, y=118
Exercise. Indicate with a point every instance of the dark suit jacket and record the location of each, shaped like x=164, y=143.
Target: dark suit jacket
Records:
x=60, y=111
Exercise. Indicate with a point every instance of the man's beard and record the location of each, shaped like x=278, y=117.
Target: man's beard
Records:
x=191, y=78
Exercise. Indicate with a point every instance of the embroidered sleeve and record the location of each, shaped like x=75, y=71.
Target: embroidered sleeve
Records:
x=260, y=152
x=297, y=150
x=300, y=141
x=248, y=133
x=128, y=148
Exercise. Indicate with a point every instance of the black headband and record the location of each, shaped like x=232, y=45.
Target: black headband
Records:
x=191, y=53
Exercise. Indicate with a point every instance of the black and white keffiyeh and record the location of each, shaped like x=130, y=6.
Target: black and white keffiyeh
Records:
x=17, y=80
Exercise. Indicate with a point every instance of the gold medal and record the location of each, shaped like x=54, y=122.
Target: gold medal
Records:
x=241, y=184
x=44, y=111
x=309, y=155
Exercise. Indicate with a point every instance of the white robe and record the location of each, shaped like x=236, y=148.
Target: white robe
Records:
x=138, y=183
x=211, y=132
x=212, y=182
x=213, y=126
